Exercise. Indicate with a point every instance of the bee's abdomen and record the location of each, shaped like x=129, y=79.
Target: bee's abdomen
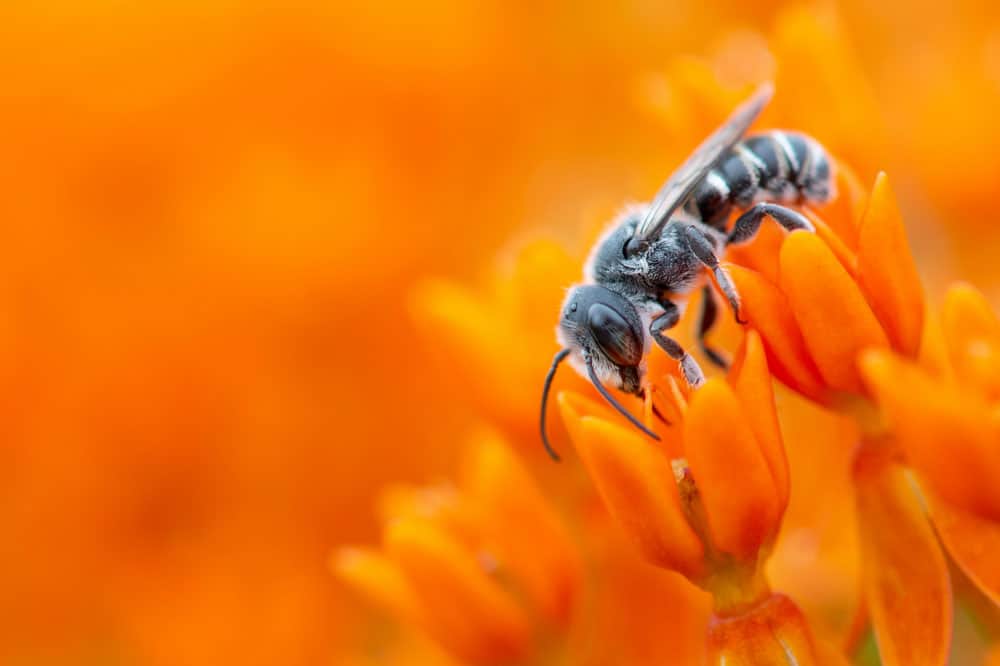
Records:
x=773, y=166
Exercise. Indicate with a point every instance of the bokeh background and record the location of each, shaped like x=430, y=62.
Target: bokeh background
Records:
x=214, y=213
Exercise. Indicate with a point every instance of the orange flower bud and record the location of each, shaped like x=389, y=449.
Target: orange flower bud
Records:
x=947, y=432
x=465, y=610
x=709, y=508
x=377, y=577
x=637, y=484
x=972, y=332
x=769, y=313
x=835, y=320
x=730, y=470
x=521, y=529
x=887, y=273
x=486, y=568
x=751, y=382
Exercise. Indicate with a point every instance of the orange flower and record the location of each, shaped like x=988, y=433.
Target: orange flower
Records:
x=844, y=318
x=708, y=502
x=487, y=569
x=942, y=411
x=820, y=303
x=485, y=573
x=947, y=416
x=836, y=297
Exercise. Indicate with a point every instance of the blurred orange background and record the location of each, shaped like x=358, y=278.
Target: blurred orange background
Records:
x=215, y=212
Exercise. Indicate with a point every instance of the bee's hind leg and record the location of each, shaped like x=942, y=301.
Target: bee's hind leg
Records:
x=748, y=223
x=693, y=374
x=706, y=319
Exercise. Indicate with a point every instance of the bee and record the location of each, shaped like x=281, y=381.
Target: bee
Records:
x=640, y=273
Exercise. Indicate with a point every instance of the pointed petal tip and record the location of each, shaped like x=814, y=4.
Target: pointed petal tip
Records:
x=887, y=271
x=377, y=578
x=972, y=332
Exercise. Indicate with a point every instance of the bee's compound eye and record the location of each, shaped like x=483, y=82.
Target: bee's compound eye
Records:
x=632, y=247
x=614, y=335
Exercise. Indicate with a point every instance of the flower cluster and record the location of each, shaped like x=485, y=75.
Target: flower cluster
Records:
x=840, y=318
x=845, y=317
x=485, y=568
x=708, y=502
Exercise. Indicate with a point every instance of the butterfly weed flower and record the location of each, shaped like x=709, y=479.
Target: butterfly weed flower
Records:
x=844, y=317
x=944, y=410
x=484, y=567
x=842, y=320
x=707, y=502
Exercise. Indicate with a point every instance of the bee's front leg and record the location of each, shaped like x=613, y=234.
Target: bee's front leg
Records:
x=671, y=315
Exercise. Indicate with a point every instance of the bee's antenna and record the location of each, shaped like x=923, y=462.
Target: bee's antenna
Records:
x=614, y=403
x=545, y=400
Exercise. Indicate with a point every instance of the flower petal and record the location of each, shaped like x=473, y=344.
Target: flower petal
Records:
x=887, y=272
x=835, y=320
x=751, y=380
x=520, y=528
x=542, y=261
x=934, y=355
x=840, y=250
x=844, y=211
x=378, y=578
x=972, y=541
x=768, y=311
x=904, y=571
x=730, y=470
x=637, y=484
x=494, y=355
x=465, y=610
x=439, y=503
x=972, y=331
x=948, y=434
x=463, y=326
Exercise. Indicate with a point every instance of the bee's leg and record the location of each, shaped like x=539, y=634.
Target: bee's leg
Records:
x=706, y=319
x=748, y=223
x=692, y=371
x=703, y=249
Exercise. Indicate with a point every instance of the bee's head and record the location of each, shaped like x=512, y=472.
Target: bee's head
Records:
x=602, y=333
x=599, y=324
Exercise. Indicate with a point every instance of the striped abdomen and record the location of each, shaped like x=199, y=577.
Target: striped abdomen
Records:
x=774, y=166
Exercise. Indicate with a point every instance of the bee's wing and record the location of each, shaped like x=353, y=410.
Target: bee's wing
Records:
x=683, y=181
